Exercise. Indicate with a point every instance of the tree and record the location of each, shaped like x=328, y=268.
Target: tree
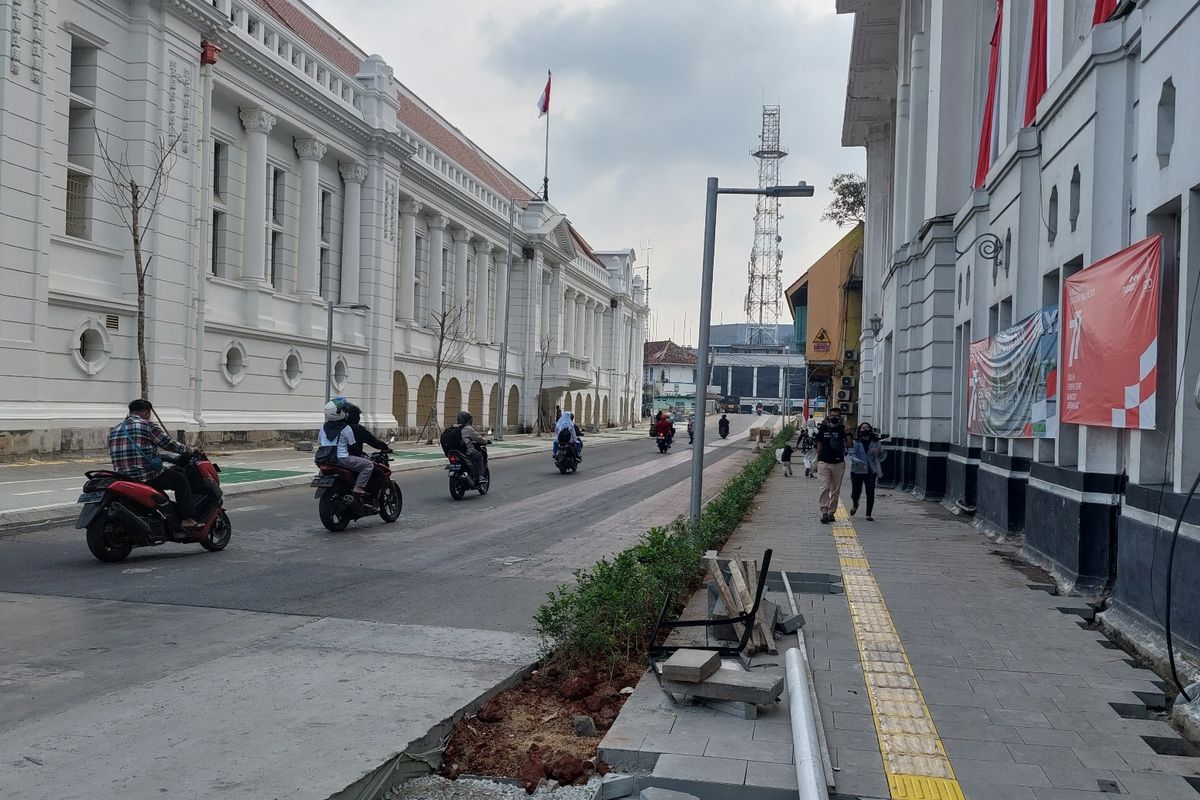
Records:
x=135, y=193
x=849, y=204
x=450, y=327
x=547, y=353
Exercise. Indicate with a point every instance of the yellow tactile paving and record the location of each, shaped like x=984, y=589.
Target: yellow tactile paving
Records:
x=914, y=759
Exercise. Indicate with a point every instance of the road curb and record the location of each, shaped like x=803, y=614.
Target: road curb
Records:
x=66, y=512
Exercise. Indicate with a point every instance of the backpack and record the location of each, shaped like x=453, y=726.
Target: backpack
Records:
x=564, y=436
x=452, y=440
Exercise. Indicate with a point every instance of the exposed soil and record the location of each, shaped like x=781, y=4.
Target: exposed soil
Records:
x=527, y=733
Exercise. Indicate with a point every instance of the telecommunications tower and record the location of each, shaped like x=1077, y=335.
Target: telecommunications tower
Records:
x=765, y=286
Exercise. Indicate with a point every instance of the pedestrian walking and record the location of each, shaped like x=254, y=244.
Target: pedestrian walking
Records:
x=832, y=443
x=786, y=458
x=809, y=451
x=866, y=462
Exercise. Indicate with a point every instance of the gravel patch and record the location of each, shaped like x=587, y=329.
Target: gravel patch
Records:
x=435, y=787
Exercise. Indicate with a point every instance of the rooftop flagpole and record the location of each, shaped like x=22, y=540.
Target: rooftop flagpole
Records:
x=544, y=108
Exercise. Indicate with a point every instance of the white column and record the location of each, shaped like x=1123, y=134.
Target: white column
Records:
x=568, y=325
x=308, y=266
x=598, y=337
x=483, y=303
x=353, y=175
x=406, y=281
x=437, y=243
x=918, y=119
x=556, y=307
x=900, y=178
x=589, y=311
x=258, y=123
x=580, y=312
x=461, y=238
x=501, y=291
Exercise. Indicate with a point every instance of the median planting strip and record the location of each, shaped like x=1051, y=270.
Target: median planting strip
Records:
x=595, y=638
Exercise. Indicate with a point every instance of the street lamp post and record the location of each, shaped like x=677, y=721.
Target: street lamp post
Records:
x=801, y=189
x=330, y=305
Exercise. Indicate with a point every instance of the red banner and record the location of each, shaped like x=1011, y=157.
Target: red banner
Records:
x=1110, y=339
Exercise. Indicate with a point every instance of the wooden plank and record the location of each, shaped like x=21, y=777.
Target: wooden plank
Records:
x=760, y=620
x=727, y=598
x=738, y=581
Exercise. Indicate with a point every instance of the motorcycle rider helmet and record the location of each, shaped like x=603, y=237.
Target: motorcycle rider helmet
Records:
x=335, y=410
x=465, y=418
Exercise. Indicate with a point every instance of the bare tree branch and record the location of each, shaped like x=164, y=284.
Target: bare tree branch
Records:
x=450, y=327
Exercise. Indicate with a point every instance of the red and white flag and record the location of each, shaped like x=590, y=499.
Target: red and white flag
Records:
x=544, y=100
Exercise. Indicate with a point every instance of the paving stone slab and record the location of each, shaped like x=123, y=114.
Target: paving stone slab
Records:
x=747, y=687
x=770, y=775
x=701, y=768
x=690, y=666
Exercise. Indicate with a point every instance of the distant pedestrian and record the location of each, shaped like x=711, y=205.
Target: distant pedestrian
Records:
x=786, y=458
x=832, y=443
x=808, y=449
x=866, y=462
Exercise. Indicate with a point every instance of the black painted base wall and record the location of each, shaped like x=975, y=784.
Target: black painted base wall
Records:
x=1078, y=538
x=916, y=466
x=1141, y=565
x=962, y=479
x=1001, y=503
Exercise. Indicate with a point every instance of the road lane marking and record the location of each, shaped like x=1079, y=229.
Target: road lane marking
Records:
x=914, y=757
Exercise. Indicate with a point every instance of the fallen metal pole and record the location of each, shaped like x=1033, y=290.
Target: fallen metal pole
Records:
x=806, y=748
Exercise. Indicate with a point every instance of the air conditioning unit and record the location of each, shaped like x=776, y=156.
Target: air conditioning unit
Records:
x=850, y=355
x=847, y=408
x=844, y=394
x=847, y=383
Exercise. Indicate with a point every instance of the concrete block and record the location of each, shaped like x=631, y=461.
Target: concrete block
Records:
x=665, y=794
x=701, y=768
x=616, y=785
x=790, y=623
x=771, y=776
x=733, y=709
x=690, y=666
x=726, y=684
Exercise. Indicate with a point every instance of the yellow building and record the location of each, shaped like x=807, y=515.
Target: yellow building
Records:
x=826, y=307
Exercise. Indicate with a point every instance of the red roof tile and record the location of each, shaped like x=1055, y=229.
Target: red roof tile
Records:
x=667, y=352
x=299, y=22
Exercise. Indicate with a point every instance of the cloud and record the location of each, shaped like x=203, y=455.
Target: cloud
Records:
x=650, y=98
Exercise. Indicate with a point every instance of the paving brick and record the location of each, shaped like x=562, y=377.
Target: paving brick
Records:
x=749, y=750
x=690, y=666
x=1000, y=774
x=1049, y=757
x=1080, y=778
x=982, y=732
x=1167, y=787
x=975, y=790
x=1054, y=737
x=772, y=776
x=849, y=720
x=656, y=793
x=701, y=768
x=772, y=731
x=979, y=751
x=850, y=760
x=675, y=743
x=1018, y=719
x=864, y=784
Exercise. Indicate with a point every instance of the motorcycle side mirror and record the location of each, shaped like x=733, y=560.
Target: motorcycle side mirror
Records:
x=392, y=440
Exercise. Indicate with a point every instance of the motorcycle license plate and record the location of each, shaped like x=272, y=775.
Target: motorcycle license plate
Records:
x=322, y=481
x=454, y=469
x=90, y=497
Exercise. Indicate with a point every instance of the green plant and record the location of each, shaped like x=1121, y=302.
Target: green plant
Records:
x=607, y=618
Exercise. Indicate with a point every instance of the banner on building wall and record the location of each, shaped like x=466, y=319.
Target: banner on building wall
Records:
x=1012, y=380
x=1110, y=350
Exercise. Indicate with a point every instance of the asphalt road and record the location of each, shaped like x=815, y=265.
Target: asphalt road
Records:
x=252, y=660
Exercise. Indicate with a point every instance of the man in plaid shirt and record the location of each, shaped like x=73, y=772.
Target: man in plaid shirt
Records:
x=134, y=441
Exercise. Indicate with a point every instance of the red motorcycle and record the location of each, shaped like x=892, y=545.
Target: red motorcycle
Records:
x=121, y=514
x=339, y=505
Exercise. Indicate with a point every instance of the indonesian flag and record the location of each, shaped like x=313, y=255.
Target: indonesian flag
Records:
x=544, y=100
x=1104, y=10
x=989, y=128
x=1035, y=68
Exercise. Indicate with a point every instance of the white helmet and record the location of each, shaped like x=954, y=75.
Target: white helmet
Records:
x=335, y=411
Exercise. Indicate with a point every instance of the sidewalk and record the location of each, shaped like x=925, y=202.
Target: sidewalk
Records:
x=45, y=491
x=944, y=669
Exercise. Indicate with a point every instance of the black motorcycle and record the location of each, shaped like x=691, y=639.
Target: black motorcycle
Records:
x=566, y=459
x=339, y=506
x=663, y=441
x=462, y=474
x=723, y=428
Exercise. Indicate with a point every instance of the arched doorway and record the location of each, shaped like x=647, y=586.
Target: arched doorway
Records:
x=426, y=399
x=578, y=407
x=493, y=409
x=475, y=402
x=453, y=403
x=514, y=403
x=567, y=403
x=587, y=413
x=604, y=418
x=400, y=399
x=622, y=422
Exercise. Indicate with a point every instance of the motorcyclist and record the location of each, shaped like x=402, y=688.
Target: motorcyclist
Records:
x=361, y=434
x=133, y=447
x=723, y=426
x=336, y=432
x=664, y=427
x=567, y=423
x=472, y=442
x=691, y=428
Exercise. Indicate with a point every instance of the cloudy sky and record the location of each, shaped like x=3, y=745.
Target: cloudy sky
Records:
x=650, y=98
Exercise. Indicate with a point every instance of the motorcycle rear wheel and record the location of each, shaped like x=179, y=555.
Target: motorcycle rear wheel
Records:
x=486, y=483
x=100, y=541
x=333, y=511
x=391, y=502
x=562, y=467
x=218, y=537
x=457, y=488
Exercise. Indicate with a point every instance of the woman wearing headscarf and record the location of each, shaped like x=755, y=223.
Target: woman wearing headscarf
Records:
x=567, y=423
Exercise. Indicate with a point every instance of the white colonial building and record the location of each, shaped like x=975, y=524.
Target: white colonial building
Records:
x=305, y=175
x=1102, y=156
